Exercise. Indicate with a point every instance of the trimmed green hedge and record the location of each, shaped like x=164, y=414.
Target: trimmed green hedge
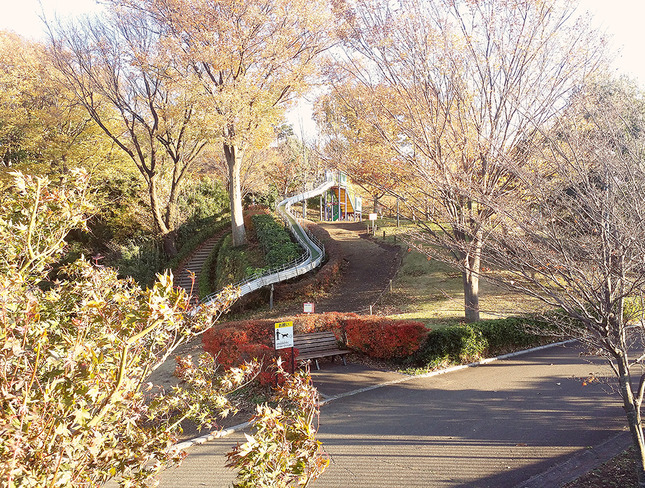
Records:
x=232, y=263
x=456, y=344
x=275, y=240
x=472, y=342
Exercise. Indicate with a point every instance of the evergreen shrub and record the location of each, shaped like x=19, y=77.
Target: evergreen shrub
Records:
x=472, y=342
x=275, y=240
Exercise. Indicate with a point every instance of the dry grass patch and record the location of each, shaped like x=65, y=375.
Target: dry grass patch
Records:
x=432, y=291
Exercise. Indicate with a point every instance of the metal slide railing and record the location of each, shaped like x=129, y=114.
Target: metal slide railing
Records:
x=309, y=260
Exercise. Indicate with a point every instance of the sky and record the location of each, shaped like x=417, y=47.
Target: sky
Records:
x=622, y=20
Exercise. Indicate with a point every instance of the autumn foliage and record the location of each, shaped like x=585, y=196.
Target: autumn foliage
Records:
x=374, y=336
x=76, y=355
x=383, y=338
x=283, y=450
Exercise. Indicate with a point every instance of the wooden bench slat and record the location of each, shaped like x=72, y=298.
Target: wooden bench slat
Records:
x=316, y=345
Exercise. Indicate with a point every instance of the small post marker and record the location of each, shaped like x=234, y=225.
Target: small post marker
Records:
x=373, y=217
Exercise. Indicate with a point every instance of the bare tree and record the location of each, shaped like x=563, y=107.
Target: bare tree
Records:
x=457, y=87
x=119, y=70
x=574, y=234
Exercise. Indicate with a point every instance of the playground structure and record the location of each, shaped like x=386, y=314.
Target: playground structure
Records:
x=314, y=250
x=339, y=202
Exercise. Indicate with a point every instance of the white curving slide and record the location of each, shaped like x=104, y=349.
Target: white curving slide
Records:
x=314, y=250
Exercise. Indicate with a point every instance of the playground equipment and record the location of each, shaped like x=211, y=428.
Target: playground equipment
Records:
x=309, y=260
x=340, y=203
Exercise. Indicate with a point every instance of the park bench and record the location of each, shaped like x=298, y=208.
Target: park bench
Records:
x=316, y=345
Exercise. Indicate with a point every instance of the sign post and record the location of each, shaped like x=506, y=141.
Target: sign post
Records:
x=283, y=335
x=308, y=307
x=373, y=217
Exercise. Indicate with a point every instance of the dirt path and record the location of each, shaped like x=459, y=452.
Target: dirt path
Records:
x=368, y=268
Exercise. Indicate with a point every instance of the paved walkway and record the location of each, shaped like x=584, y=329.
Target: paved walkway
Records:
x=504, y=424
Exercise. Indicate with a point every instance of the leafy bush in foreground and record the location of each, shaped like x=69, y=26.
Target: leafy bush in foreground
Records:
x=76, y=356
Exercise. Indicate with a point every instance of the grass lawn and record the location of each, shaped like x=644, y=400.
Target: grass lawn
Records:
x=432, y=292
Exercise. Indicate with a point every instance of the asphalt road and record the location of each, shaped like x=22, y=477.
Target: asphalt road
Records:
x=497, y=425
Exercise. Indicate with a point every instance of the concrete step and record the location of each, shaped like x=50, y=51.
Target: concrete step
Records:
x=195, y=264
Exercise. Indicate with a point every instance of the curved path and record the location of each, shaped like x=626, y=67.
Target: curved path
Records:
x=368, y=267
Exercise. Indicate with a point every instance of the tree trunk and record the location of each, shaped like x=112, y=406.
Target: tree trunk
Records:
x=170, y=238
x=172, y=206
x=167, y=234
x=472, y=264
x=633, y=419
x=170, y=243
x=234, y=156
x=471, y=296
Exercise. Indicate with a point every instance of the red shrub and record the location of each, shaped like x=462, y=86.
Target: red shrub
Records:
x=252, y=351
x=378, y=337
x=232, y=345
x=383, y=338
x=226, y=345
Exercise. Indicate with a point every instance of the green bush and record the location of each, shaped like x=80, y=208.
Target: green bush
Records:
x=511, y=332
x=121, y=216
x=467, y=343
x=199, y=201
x=462, y=343
x=235, y=263
x=275, y=240
x=267, y=199
x=141, y=261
